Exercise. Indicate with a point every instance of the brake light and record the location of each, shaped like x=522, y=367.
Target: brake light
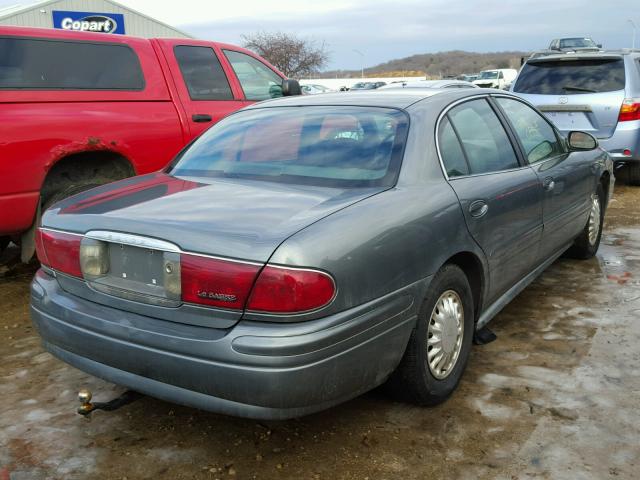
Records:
x=59, y=250
x=630, y=110
x=216, y=282
x=291, y=290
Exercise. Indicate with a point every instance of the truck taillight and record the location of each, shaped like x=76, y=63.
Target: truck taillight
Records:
x=630, y=110
x=216, y=282
x=59, y=251
x=283, y=290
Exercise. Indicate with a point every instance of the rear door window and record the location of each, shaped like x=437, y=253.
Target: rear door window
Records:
x=484, y=141
x=202, y=73
x=41, y=64
x=571, y=77
x=453, y=159
x=258, y=81
x=537, y=137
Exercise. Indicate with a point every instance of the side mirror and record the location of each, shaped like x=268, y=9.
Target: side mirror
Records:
x=599, y=45
x=291, y=88
x=581, y=141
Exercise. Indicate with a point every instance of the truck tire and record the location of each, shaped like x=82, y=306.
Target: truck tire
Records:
x=4, y=242
x=587, y=243
x=633, y=174
x=27, y=240
x=444, y=327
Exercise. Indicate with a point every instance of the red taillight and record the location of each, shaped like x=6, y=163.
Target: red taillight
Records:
x=630, y=110
x=290, y=290
x=59, y=250
x=215, y=282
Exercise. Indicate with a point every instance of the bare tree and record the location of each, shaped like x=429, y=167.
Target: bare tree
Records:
x=293, y=56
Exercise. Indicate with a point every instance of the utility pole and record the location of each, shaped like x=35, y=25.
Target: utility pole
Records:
x=633, y=41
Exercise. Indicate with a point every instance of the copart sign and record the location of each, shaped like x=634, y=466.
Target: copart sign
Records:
x=88, y=21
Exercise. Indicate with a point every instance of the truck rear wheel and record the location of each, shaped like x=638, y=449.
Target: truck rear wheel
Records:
x=4, y=241
x=27, y=240
x=70, y=176
x=633, y=174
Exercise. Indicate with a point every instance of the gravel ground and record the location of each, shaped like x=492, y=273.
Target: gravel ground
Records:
x=556, y=396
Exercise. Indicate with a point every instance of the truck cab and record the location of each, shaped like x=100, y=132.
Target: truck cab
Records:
x=82, y=109
x=500, y=78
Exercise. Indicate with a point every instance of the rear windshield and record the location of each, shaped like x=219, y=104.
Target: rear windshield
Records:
x=577, y=43
x=571, y=77
x=488, y=75
x=34, y=64
x=315, y=145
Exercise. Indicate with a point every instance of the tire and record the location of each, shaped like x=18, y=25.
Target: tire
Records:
x=587, y=243
x=633, y=174
x=27, y=240
x=4, y=242
x=65, y=192
x=415, y=380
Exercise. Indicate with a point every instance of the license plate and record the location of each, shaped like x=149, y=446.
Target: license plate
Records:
x=570, y=120
x=141, y=274
x=136, y=264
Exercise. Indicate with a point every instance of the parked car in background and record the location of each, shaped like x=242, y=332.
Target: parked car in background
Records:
x=367, y=85
x=468, y=77
x=430, y=84
x=305, y=250
x=500, y=78
x=314, y=89
x=81, y=109
x=597, y=92
x=574, y=44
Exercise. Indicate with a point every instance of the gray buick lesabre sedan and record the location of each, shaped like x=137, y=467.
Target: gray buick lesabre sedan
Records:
x=307, y=249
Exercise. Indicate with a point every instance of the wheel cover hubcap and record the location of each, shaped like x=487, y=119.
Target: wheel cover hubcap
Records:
x=444, y=334
x=594, y=219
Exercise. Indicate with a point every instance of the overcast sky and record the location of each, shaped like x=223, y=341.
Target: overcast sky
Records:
x=384, y=30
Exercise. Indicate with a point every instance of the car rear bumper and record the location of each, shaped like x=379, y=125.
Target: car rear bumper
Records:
x=625, y=137
x=256, y=370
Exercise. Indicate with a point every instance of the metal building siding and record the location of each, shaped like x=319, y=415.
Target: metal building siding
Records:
x=135, y=24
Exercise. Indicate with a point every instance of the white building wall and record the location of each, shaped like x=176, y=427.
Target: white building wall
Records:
x=39, y=15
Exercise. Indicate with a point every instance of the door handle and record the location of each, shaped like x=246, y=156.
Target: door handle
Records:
x=201, y=117
x=478, y=209
x=549, y=184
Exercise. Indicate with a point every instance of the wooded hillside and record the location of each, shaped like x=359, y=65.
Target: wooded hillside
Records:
x=437, y=65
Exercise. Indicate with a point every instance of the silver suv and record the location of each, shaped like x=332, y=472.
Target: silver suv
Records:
x=597, y=92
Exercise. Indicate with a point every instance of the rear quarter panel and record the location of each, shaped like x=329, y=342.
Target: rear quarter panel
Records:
x=391, y=243
x=387, y=243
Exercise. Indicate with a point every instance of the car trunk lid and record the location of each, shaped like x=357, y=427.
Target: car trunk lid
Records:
x=144, y=226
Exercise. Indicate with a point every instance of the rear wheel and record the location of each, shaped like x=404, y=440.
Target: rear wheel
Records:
x=27, y=241
x=633, y=174
x=439, y=346
x=586, y=245
x=4, y=241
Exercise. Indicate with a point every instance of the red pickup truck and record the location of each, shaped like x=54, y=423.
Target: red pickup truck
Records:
x=81, y=109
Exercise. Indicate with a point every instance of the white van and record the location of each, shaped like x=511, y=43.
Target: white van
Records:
x=500, y=78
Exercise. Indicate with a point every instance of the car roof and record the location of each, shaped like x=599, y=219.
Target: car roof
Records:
x=391, y=98
x=427, y=84
x=551, y=55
